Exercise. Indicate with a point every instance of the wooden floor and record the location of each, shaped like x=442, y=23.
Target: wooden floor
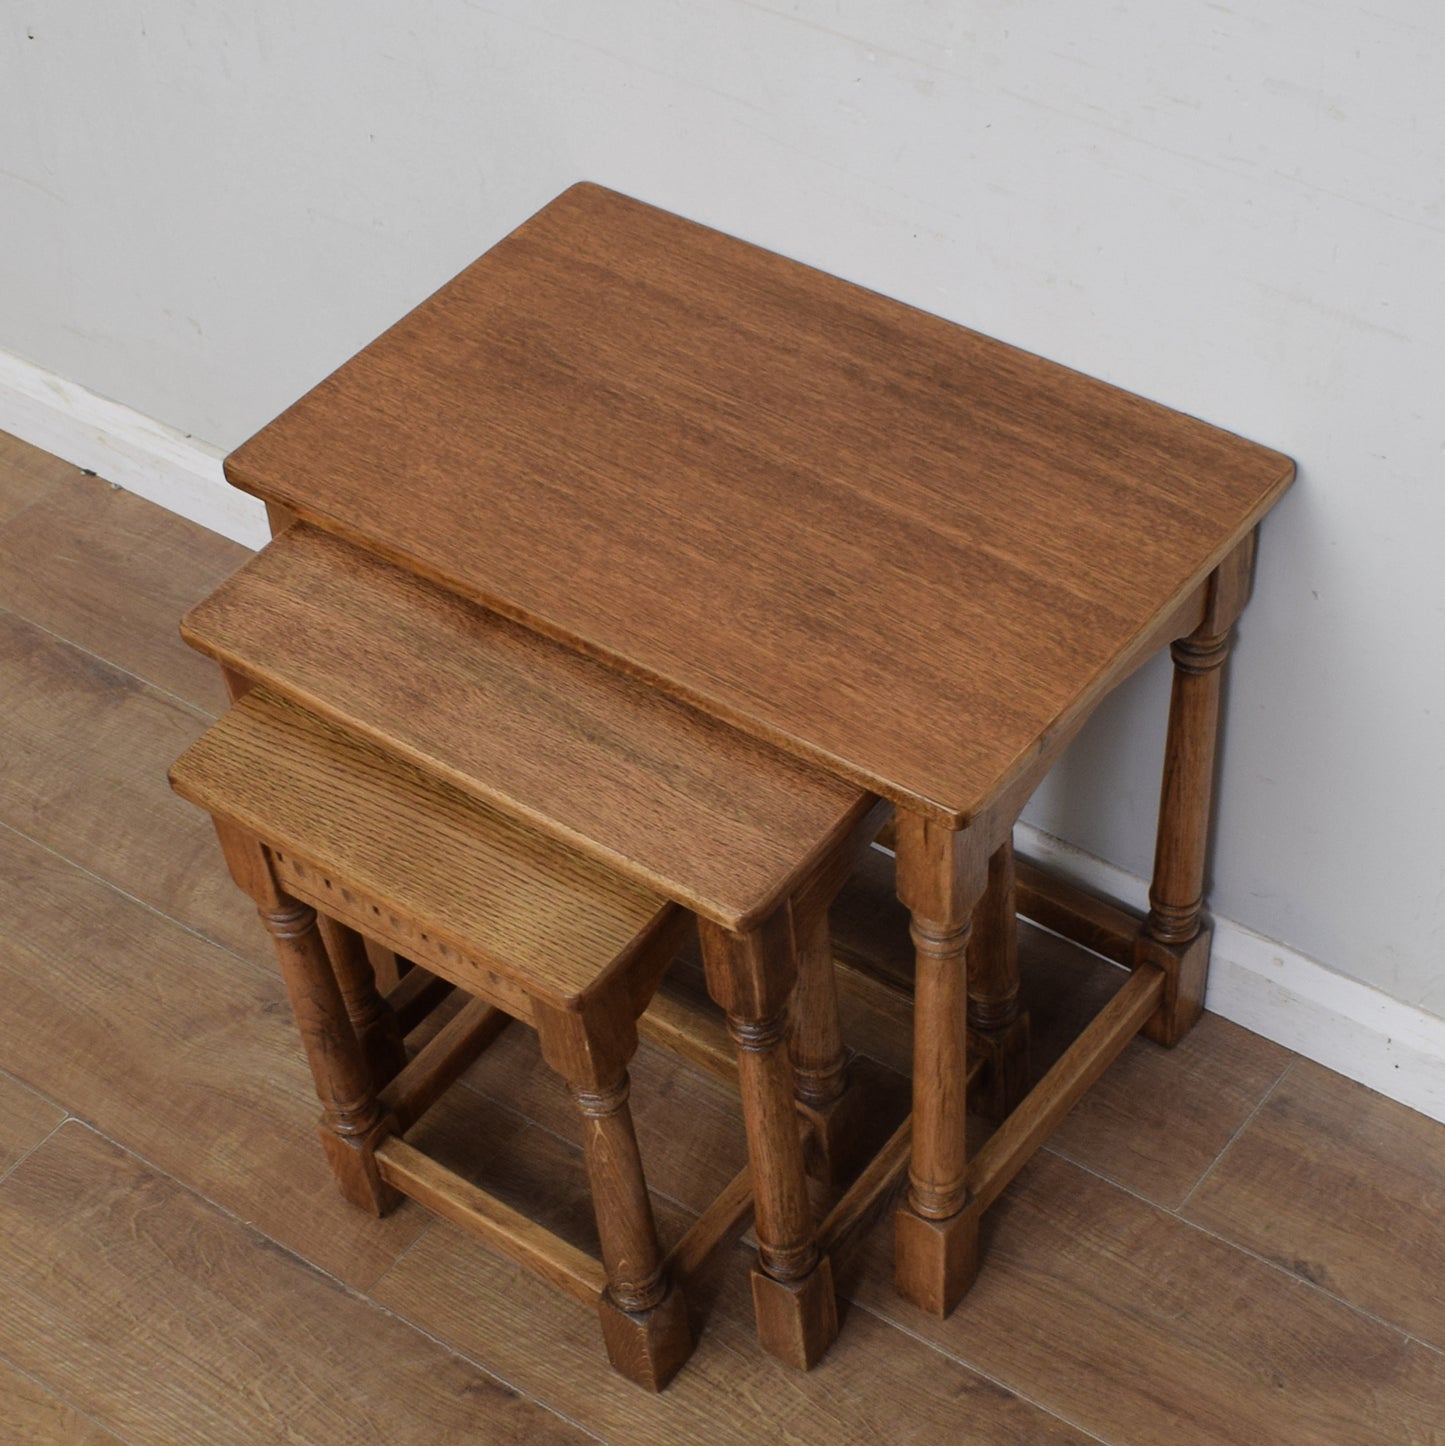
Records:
x=1222, y=1243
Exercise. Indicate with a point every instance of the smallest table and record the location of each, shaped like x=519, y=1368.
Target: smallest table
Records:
x=910, y=554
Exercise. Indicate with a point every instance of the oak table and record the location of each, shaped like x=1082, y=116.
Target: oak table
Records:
x=906, y=552
x=751, y=840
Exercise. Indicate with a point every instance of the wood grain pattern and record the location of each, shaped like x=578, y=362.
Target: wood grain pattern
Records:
x=886, y=542
x=25, y=1119
x=187, y=1053
x=110, y=571
x=158, y=1315
x=27, y=475
x=450, y=1287
x=654, y=790
x=1157, y=1120
x=34, y=1416
x=493, y=889
x=78, y=732
x=1343, y=1188
x=1135, y=1326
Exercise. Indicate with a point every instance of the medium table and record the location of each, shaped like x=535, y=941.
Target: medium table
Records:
x=887, y=544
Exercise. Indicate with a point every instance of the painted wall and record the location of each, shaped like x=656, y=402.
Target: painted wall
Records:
x=1239, y=211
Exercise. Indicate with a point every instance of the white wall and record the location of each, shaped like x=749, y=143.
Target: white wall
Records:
x=1239, y=211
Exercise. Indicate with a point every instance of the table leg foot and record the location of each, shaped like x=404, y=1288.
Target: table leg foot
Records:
x=935, y=1261
x=354, y=1168
x=797, y=1319
x=647, y=1346
x=1186, y=972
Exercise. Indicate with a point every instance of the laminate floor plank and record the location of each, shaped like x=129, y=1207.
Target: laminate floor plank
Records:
x=168, y=1321
x=32, y=1416
x=1159, y=1118
x=1345, y=1189
x=84, y=749
x=875, y=1384
x=113, y=573
x=27, y=474
x=1139, y=1328
x=184, y=1053
x=25, y=1119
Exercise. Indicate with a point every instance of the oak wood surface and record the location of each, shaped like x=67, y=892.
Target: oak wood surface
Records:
x=442, y=1061
x=886, y=542
x=110, y=571
x=1341, y=1187
x=655, y=790
x=549, y=920
x=157, y=1314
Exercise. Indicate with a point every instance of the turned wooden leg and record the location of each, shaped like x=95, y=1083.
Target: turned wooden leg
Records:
x=1000, y=1028
x=941, y=877
x=751, y=977
x=372, y=1019
x=815, y=1043
x=834, y=1111
x=642, y=1311
x=351, y=1118
x=1176, y=935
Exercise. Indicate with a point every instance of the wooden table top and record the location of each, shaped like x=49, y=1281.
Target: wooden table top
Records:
x=659, y=793
x=880, y=540
x=548, y=920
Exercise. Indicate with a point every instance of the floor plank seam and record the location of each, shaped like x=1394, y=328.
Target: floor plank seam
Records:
x=16, y=1164
x=7, y=1073
x=202, y=714
x=1214, y=1164
x=989, y=1376
x=55, y=853
x=355, y=1292
x=111, y=1431
x=1292, y=1276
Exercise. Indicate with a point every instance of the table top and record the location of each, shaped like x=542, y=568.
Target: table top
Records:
x=882, y=541
x=548, y=920
x=661, y=794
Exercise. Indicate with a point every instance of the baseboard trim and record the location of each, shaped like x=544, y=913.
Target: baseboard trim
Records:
x=1286, y=996
x=179, y=473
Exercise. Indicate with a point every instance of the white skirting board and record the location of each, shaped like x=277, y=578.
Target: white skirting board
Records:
x=146, y=457
x=1278, y=992
x=1265, y=986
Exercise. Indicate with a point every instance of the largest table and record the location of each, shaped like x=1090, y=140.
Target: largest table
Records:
x=908, y=552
